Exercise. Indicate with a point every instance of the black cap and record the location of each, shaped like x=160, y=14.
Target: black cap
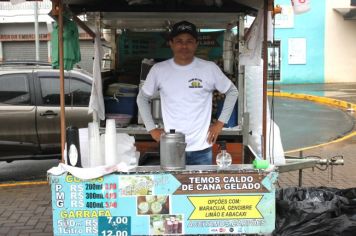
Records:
x=184, y=27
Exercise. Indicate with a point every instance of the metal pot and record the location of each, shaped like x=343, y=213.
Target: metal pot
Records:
x=172, y=150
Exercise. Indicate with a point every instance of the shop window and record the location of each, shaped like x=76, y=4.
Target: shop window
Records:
x=274, y=60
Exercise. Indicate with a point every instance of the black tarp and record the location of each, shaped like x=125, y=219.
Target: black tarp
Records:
x=315, y=211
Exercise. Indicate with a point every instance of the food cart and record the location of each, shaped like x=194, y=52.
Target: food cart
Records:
x=148, y=16
x=147, y=200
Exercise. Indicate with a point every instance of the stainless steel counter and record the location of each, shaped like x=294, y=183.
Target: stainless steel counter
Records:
x=140, y=133
x=297, y=164
x=241, y=168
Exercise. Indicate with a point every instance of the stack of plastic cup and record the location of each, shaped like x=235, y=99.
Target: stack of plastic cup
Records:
x=110, y=143
x=95, y=157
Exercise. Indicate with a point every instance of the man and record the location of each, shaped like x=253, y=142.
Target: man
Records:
x=186, y=84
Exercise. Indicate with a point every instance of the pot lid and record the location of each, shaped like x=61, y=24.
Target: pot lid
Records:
x=173, y=135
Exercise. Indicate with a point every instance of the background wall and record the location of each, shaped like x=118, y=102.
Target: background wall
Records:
x=311, y=26
x=340, y=44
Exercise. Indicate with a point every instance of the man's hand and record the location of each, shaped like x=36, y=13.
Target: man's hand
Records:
x=214, y=131
x=156, y=134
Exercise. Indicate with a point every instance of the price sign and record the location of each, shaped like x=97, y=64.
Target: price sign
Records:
x=114, y=226
x=191, y=203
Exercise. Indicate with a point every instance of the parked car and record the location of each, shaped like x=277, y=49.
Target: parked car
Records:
x=30, y=109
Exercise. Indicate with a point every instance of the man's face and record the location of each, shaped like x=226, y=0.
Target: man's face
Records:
x=183, y=46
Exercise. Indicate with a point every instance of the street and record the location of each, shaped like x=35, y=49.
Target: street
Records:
x=27, y=170
x=304, y=123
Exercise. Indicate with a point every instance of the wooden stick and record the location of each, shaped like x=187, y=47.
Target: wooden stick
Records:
x=83, y=26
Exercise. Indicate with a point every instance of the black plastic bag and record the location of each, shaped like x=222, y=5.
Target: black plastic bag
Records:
x=315, y=211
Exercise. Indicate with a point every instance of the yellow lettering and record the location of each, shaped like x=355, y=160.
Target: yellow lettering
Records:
x=71, y=214
x=94, y=214
x=72, y=179
x=79, y=214
x=69, y=178
x=107, y=213
x=63, y=214
x=84, y=214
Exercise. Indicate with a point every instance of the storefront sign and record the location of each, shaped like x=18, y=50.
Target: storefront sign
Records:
x=31, y=37
x=164, y=204
x=22, y=37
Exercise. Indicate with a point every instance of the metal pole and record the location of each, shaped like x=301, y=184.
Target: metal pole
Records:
x=265, y=67
x=300, y=182
x=300, y=179
x=113, y=52
x=37, y=41
x=241, y=71
x=61, y=76
x=1, y=52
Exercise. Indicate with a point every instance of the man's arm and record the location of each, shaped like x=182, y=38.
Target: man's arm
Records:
x=229, y=103
x=144, y=107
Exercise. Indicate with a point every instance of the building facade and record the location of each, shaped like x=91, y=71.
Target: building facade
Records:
x=316, y=46
x=17, y=34
x=301, y=43
x=340, y=41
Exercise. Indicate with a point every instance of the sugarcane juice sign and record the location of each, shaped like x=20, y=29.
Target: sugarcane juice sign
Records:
x=164, y=204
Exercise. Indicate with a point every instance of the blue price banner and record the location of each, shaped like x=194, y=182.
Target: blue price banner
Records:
x=191, y=203
x=114, y=226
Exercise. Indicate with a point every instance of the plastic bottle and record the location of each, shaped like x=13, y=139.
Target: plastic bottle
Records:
x=223, y=159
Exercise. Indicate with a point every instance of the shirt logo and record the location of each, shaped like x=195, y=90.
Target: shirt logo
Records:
x=195, y=83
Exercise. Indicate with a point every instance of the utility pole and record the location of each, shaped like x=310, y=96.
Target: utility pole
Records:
x=37, y=40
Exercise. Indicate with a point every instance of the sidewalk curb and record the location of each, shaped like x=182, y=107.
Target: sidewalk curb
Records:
x=323, y=144
x=26, y=183
x=322, y=100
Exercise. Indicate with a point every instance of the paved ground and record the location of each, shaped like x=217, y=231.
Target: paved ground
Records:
x=337, y=176
x=26, y=210
x=305, y=123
